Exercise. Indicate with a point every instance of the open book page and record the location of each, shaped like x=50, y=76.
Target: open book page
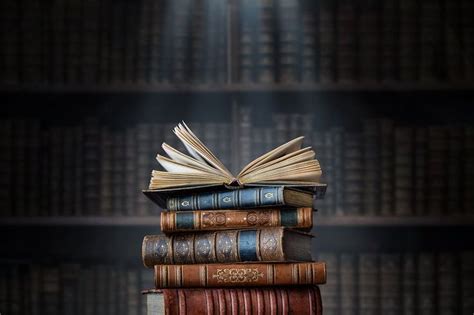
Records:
x=194, y=145
x=286, y=164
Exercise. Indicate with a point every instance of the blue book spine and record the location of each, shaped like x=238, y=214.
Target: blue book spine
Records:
x=230, y=199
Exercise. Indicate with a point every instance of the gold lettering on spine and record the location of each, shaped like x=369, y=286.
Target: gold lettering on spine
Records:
x=237, y=275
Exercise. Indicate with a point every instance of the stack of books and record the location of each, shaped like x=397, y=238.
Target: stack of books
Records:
x=234, y=244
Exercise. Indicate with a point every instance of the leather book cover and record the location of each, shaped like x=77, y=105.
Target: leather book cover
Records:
x=266, y=244
x=239, y=275
x=303, y=300
x=202, y=220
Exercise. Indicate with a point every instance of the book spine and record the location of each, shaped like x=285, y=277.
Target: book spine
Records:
x=69, y=287
x=55, y=170
x=468, y=170
x=403, y=174
x=327, y=41
x=338, y=158
x=133, y=292
x=437, y=170
x=454, y=165
x=409, y=40
x=389, y=47
x=447, y=284
x=106, y=164
x=6, y=164
x=91, y=151
x=240, y=198
x=408, y=302
x=231, y=275
x=288, y=41
x=390, y=289
x=171, y=221
x=386, y=184
x=68, y=167
x=420, y=171
x=212, y=247
x=144, y=155
x=309, y=48
x=348, y=283
x=426, y=285
x=353, y=174
x=371, y=147
x=50, y=291
x=330, y=291
x=368, y=41
x=346, y=41
x=368, y=284
x=265, y=30
x=430, y=40
x=467, y=287
x=118, y=169
x=452, y=29
x=299, y=300
x=130, y=178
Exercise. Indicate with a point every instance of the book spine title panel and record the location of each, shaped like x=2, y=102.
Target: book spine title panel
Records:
x=232, y=199
x=211, y=247
x=232, y=275
x=173, y=221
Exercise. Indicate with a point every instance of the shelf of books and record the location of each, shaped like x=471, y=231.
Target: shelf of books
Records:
x=236, y=88
x=152, y=45
x=154, y=221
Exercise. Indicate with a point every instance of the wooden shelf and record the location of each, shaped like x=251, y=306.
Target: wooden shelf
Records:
x=341, y=221
x=235, y=87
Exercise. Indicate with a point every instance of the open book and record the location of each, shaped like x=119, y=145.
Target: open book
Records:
x=288, y=164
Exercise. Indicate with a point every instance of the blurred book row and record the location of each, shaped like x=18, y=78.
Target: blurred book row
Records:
x=72, y=289
x=91, y=169
x=57, y=43
x=399, y=283
x=364, y=283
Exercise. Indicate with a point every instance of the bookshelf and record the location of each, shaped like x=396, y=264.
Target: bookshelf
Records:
x=274, y=45
x=244, y=88
x=329, y=222
x=130, y=67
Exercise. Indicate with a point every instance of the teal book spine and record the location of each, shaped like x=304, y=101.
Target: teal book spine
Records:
x=230, y=199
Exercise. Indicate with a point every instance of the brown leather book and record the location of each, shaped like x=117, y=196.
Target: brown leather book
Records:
x=303, y=300
x=202, y=220
x=265, y=244
x=234, y=275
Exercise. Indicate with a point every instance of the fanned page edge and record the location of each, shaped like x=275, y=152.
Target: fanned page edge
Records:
x=182, y=158
x=288, y=147
x=185, y=134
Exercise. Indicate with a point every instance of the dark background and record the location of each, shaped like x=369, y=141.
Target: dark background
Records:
x=383, y=91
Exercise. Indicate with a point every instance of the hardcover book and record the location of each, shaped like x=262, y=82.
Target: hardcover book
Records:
x=267, y=244
x=239, y=198
x=201, y=220
x=288, y=164
x=268, y=300
x=239, y=275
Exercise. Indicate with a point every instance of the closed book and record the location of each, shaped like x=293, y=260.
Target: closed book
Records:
x=268, y=300
x=268, y=244
x=239, y=198
x=239, y=275
x=448, y=284
x=177, y=221
x=467, y=285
